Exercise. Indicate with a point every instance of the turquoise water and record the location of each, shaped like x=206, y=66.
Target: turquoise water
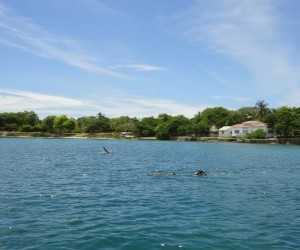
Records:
x=69, y=194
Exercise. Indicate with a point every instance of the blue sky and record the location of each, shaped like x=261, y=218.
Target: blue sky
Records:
x=142, y=57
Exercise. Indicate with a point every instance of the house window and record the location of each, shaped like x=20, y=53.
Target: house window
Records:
x=236, y=131
x=222, y=132
x=245, y=131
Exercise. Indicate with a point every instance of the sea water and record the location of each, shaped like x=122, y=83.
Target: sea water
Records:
x=70, y=194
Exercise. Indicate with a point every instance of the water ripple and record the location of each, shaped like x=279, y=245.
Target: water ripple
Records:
x=66, y=194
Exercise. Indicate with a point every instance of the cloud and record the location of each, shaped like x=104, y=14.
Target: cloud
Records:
x=249, y=33
x=112, y=103
x=141, y=67
x=24, y=34
x=139, y=106
x=16, y=100
x=118, y=103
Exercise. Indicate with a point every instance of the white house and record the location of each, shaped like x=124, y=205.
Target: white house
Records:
x=225, y=131
x=244, y=128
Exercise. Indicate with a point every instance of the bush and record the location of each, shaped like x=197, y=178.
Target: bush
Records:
x=26, y=128
x=162, y=132
x=11, y=127
x=258, y=134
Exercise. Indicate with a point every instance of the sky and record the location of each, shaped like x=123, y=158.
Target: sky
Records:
x=141, y=58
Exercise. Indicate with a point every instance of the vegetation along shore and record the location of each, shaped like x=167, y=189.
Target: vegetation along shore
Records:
x=204, y=126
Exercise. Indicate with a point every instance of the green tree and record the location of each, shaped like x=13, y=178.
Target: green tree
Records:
x=178, y=125
x=2, y=122
x=26, y=128
x=11, y=127
x=10, y=121
x=296, y=121
x=217, y=116
x=287, y=122
x=200, y=128
x=93, y=126
x=122, y=124
x=199, y=125
x=18, y=120
x=197, y=118
x=63, y=124
x=29, y=118
x=48, y=124
x=271, y=119
x=261, y=109
x=234, y=117
x=69, y=126
x=163, y=118
x=82, y=124
x=247, y=113
x=162, y=132
x=59, y=123
x=146, y=127
x=103, y=123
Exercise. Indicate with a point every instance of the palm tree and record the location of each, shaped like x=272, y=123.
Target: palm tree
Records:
x=261, y=108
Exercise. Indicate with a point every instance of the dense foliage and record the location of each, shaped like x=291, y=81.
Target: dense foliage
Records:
x=258, y=134
x=284, y=120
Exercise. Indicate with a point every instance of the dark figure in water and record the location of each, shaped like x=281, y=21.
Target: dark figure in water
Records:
x=200, y=173
x=197, y=173
x=107, y=150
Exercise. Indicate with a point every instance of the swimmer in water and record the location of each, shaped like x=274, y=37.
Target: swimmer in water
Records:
x=109, y=152
x=200, y=173
x=197, y=173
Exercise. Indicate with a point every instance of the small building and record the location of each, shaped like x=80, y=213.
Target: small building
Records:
x=213, y=131
x=240, y=130
x=244, y=128
x=225, y=131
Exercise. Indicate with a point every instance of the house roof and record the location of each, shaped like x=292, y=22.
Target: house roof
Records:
x=225, y=128
x=246, y=124
x=213, y=128
x=251, y=124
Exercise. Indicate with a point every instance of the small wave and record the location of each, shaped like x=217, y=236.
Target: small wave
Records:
x=162, y=174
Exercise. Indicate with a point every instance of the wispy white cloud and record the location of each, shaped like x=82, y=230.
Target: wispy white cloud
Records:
x=22, y=33
x=142, y=107
x=248, y=32
x=140, y=67
x=118, y=102
x=111, y=103
x=16, y=100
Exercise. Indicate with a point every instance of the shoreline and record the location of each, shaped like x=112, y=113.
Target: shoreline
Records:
x=114, y=136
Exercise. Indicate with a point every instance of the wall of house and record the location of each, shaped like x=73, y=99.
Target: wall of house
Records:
x=239, y=132
x=242, y=131
x=225, y=133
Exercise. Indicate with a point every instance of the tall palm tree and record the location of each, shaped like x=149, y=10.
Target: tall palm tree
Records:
x=261, y=108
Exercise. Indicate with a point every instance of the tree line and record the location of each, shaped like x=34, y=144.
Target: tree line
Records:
x=285, y=121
